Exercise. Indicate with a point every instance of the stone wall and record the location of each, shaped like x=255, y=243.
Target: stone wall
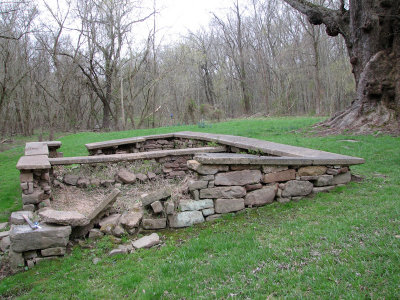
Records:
x=219, y=183
x=149, y=145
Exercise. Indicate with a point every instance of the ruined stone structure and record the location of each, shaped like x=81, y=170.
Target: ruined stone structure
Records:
x=223, y=174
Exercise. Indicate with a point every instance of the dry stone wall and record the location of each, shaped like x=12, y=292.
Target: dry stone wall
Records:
x=220, y=183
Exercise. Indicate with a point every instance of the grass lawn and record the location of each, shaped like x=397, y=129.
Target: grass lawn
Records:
x=342, y=244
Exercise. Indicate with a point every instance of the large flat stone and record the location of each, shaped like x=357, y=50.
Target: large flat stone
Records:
x=107, y=202
x=185, y=219
x=261, y=197
x=238, y=177
x=223, y=206
x=23, y=238
x=36, y=148
x=162, y=194
x=297, y=188
x=131, y=156
x=186, y=205
x=33, y=162
x=223, y=192
x=72, y=218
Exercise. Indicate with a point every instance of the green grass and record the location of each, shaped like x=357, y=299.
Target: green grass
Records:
x=336, y=245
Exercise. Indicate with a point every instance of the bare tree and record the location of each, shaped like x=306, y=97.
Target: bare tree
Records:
x=371, y=30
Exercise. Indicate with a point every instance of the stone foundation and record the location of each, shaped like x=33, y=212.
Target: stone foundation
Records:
x=227, y=174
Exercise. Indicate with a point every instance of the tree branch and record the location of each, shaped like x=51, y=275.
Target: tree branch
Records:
x=336, y=21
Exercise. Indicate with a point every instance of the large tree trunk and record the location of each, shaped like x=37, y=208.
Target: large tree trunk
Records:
x=371, y=29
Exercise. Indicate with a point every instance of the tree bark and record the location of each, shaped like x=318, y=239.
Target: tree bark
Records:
x=371, y=29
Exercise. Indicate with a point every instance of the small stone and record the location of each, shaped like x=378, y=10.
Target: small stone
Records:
x=28, y=207
x=185, y=219
x=211, y=184
x=71, y=179
x=83, y=183
x=141, y=177
x=223, y=206
x=17, y=217
x=208, y=212
x=112, y=219
x=297, y=188
x=213, y=217
x=26, y=176
x=342, y=178
x=147, y=199
x=188, y=205
x=131, y=219
x=157, y=207
x=151, y=176
x=253, y=187
x=169, y=207
x=197, y=184
x=154, y=223
x=107, y=229
x=324, y=180
x=308, y=178
x=223, y=192
x=56, y=251
x=273, y=169
x=30, y=263
x=118, y=231
x=238, y=177
x=95, y=233
x=117, y=251
x=96, y=260
x=30, y=188
x=24, y=186
x=147, y=241
x=280, y=176
x=36, y=197
x=5, y=244
x=312, y=170
x=118, y=185
x=261, y=197
x=17, y=261
x=126, y=176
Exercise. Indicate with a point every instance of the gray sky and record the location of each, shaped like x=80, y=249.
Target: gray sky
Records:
x=178, y=16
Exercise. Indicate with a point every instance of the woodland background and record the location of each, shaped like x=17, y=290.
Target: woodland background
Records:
x=79, y=66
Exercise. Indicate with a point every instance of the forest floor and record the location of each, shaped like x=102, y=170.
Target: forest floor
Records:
x=343, y=244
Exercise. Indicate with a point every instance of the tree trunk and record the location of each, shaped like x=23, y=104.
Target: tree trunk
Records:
x=371, y=29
